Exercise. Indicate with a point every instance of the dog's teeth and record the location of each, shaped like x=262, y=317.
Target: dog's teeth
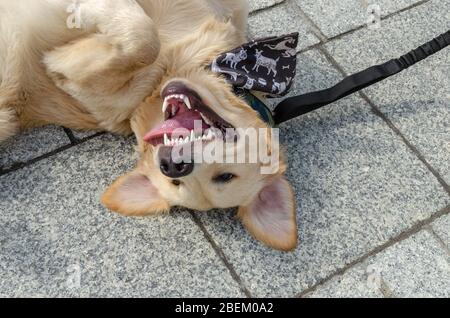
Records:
x=187, y=102
x=165, y=105
x=166, y=140
x=206, y=120
x=192, y=135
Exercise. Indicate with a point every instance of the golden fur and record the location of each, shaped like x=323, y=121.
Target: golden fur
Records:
x=108, y=75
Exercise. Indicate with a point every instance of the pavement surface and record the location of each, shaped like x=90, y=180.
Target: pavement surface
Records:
x=371, y=175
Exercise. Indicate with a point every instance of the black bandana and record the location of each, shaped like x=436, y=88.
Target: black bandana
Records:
x=266, y=65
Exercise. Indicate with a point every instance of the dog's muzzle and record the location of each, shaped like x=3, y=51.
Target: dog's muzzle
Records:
x=170, y=168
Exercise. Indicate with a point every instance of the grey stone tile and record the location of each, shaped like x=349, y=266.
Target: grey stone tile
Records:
x=442, y=228
x=261, y=4
x=354, y=180
x=415, y=268
x=418, y=100
x=31, y=144
x=279, y=20
x=52, y=226
x=357, y=282
x=84, y=134
x=335, y=17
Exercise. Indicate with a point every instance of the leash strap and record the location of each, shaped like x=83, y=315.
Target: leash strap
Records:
x=296, y=106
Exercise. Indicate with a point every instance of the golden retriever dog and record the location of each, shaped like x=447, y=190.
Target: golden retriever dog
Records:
x=141, y=66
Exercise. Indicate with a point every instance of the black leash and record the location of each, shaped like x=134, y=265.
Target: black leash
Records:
x=296, y=106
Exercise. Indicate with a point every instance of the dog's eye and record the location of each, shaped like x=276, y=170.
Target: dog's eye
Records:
x=224, y=178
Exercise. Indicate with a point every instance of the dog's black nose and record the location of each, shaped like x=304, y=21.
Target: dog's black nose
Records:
x=175, y=171
x=171, y=169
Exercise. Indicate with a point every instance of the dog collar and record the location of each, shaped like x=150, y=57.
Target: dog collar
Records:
x=258, y=102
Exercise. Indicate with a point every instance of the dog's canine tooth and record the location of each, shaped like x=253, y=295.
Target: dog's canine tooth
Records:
x=192, y=135
x=166, y=140
x=207, y=121
x=165, y=105
x=187, y=102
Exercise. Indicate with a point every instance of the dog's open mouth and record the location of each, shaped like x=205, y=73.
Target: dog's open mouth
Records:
x=187, y=119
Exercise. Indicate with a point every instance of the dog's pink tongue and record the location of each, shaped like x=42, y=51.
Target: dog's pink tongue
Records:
x=182, y=121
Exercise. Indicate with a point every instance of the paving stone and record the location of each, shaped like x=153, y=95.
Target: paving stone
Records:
x=418, y=100
x=415, y=268
x=357, y=282
x=261, y=4
x=31, y=144
x=53, y=227
x=442, y=228
x=339, y=16
x=353, y=178
x=282, y=19
x=84, y=134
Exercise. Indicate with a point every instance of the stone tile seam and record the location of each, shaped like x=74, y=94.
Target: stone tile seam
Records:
x=377, y=111
x=20, y=165
x=408, y=233
x=256, y=11
x=351, y=31
x=71, y=136
x=324, y=39
x=221, y=255
x=438, y=239
x=313, y=27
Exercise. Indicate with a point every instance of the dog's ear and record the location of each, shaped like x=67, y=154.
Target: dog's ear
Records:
x=134, y=195
x=271, y=216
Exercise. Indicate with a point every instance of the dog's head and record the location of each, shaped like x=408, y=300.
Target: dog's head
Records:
x=194, y=111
